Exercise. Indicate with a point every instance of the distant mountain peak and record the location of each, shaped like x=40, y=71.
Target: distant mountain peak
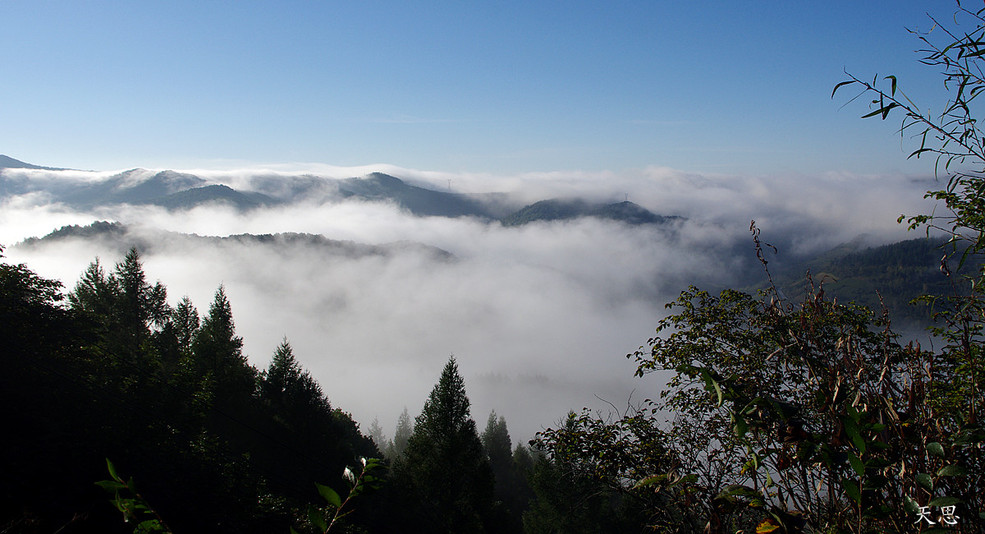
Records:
x=176, y=190
x=7, y=162
x=385, y=179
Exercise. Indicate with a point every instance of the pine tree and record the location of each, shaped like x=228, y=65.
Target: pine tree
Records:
x=404, y=429
x=509, y=503
x=291, y=391
x=497, y=443
x=376, y=434
x=218, y=353
x=186, y=323
x=445, y=464
x=283, y=373
x=92, y=293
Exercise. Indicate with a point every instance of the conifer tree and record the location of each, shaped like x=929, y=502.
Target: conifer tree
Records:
x=376, y=434
x=282, y=374
x=186, y=323
x=218, y=353
x=138, y=302
x=92, y=294
x=510, y=487
x=497, y=443
x=290, y=390
x=404, y=429
x=445, y=464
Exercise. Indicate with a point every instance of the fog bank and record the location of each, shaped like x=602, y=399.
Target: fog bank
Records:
x=540, y=317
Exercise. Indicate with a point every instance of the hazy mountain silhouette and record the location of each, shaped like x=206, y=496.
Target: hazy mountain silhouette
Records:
x=122, y=237
x=177, y=191
x=559, y=210
x=7, y=162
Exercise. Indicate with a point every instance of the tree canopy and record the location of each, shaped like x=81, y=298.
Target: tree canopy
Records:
x=444, y=464
x=114, y=372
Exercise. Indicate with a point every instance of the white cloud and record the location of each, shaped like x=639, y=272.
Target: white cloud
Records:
x=539, y=317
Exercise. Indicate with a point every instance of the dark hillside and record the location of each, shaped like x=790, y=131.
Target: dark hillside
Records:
x=897, y=273
x=417, y=200
x=7, y=162
x=211, y=194
x=561, y=210
x=146, y=241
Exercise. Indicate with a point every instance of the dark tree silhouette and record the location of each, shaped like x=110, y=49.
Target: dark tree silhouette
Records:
x=445, y=464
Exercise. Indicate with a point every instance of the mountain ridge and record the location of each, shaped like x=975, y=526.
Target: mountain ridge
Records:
x=175, y=190
x=125, y=236
x=7, y=162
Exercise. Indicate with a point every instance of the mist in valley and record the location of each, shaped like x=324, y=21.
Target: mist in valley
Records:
x=539, y=316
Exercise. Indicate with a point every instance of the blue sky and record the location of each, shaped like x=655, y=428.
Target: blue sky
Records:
x=485, y=87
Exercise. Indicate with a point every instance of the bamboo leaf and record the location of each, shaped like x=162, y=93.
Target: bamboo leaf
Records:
x=883, y=110
x=851, y=488
x=857, y=464
x=840, y=85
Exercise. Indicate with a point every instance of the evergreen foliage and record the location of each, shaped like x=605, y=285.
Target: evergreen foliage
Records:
x=401, y=435
x=511, y=469
x=216, y=445
x=444, y=466
x=498, y=446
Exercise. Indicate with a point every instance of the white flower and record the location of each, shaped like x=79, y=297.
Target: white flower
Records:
x=348, y=474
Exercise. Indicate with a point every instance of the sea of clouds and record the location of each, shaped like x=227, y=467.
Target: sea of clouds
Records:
x=539, y=317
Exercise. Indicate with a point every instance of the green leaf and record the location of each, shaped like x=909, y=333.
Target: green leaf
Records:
x=944, y=501
x=883, y=110
x=112, y=471
x=329, y=495
x=732, y=492
x=851, y=428
x=952, y=471
x=892, y=91
x=649, y=481
x=741, y=427
x=110, y=485
x=316, y=519
x=839, y=86
x=910, y=505
x=924, y=480
x=936, y=449
x=857, y=464
x=711, y=383
x=851, y=488
x=752, y=464
x=149, y=525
